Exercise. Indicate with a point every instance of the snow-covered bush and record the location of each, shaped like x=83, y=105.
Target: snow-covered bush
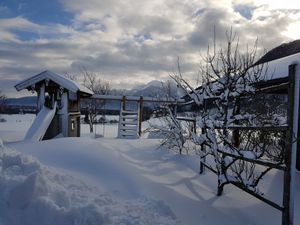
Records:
x=171, y=132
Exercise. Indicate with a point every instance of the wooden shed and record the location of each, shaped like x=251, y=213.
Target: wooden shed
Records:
x=59, y=95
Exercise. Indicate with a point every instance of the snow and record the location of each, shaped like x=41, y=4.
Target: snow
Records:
x=15, y=127
x=35, y=194
x=116, y=181
x=61, y=80
x=279, y=68
x=107, y=129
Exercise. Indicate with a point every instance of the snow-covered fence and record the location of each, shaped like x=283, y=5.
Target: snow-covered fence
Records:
x=269, y=146
x=234, y=109
x=238, y=166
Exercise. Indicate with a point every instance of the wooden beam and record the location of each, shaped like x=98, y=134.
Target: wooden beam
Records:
x=123, y=103
x=287, y=215
x=259, y=128
x=256, y=195
x=298, y=141
x=141, y=105
x=189, y=119
x=137, y=98
x=256, y=161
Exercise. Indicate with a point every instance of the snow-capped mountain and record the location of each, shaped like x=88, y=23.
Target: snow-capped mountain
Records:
x=154, y=88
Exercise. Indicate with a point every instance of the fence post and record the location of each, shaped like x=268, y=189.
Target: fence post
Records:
x=123, y=102
x=288, y=209
x=194, y=126
x=202, y=158
x=141, y=114
x=236, y=133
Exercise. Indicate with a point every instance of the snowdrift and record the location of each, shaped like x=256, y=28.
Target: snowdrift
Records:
x=31, y=193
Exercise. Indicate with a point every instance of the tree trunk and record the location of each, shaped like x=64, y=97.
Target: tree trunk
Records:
x=91, y=128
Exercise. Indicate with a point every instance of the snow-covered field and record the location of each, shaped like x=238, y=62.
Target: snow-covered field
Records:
x=107, y=180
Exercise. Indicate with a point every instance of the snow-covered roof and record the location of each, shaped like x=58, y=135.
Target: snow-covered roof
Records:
x=279, y=68
x=56, y=78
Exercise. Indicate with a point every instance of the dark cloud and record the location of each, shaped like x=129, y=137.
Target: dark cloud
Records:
x=133, y=42
x=211, y=21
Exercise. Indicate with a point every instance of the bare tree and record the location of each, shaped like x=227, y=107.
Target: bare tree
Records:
x=92, y=81
x=228, y=84
x=171, y=131
x=168, y=89
x=71, y=76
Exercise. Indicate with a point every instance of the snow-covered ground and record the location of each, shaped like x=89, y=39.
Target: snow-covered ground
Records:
x=91, y=180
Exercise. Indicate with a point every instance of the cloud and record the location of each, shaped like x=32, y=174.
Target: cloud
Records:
x=18, y=23
x=277, y=4
x=8, y=26
x=130, y=42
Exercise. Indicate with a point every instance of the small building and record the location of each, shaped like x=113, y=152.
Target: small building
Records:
x=58, y=105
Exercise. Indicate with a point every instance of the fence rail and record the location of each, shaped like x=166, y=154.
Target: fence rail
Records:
x=285, y=165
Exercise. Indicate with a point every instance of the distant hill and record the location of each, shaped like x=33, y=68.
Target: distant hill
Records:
x=23, y=101
x=155, y=88
x=152, y=89
x=281, y=51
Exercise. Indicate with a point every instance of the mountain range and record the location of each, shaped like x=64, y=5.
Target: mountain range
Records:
x=154, y=88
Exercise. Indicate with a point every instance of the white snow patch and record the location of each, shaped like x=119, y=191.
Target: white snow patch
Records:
x=31, y=193
x=128, y=170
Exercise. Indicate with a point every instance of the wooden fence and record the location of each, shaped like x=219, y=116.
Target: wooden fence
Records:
x=285, y=165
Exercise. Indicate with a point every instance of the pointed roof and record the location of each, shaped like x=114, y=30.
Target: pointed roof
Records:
x=281, y=51
x=56, y=78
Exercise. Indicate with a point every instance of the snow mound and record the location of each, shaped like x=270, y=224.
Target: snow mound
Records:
x=31, y=193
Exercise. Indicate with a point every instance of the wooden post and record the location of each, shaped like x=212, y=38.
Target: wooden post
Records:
x=203, y=150
x=123, y=103
x=298, y=143
x=123, y=107
x=236, y=133
x=175, y=108
x=194, y=126
x=65, y=115
x=41, y=97
x=203, y=131
x=287, y=214
x=141, y=105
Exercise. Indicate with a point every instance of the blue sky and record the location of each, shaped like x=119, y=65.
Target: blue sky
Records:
x=42, y=12
x=36, y=11
x=130, y=42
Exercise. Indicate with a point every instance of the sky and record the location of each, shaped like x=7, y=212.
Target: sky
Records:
x=131, y=42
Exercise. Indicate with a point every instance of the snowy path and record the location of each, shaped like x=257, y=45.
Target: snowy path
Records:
x=135, y=168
